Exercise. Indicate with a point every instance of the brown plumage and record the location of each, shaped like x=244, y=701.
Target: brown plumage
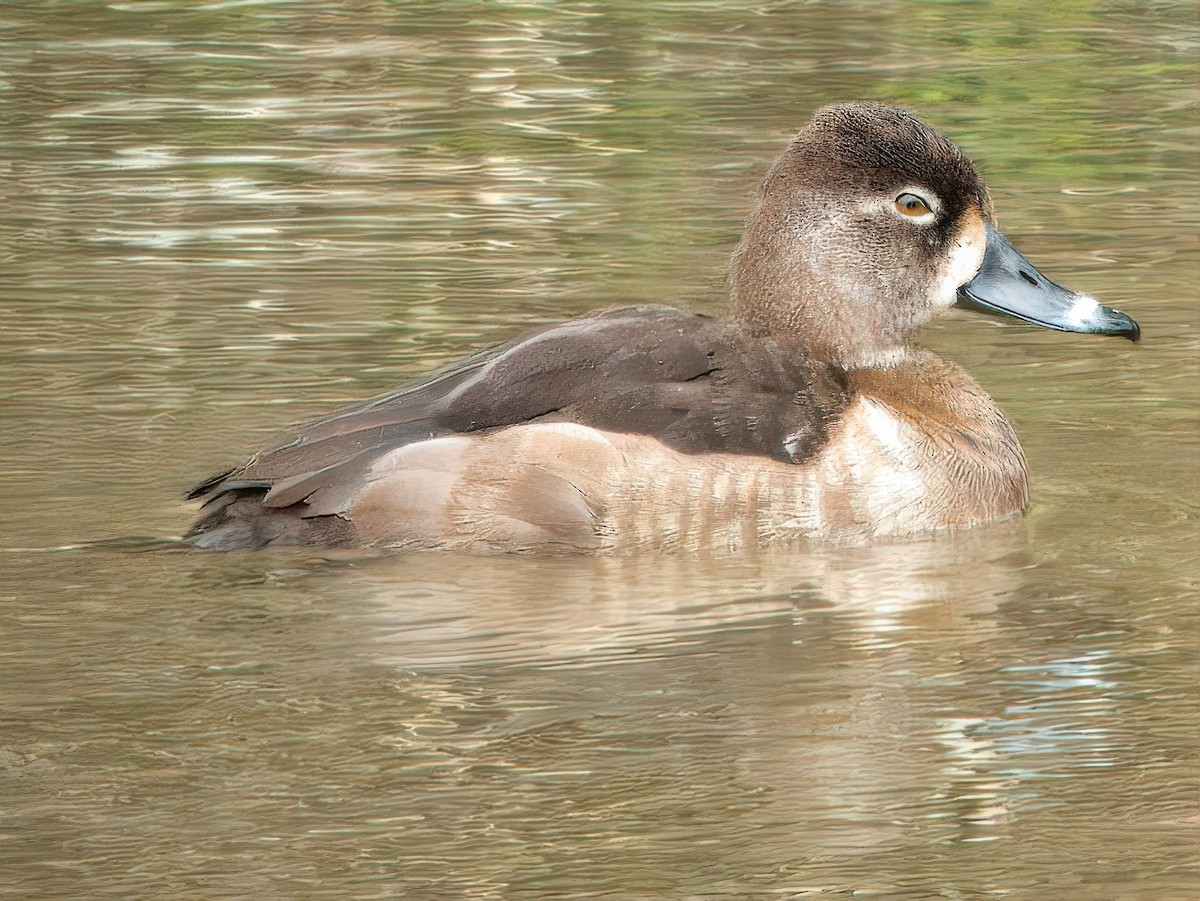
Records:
x=805, y=413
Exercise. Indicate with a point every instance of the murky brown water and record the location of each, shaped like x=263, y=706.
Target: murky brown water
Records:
x=220, y=218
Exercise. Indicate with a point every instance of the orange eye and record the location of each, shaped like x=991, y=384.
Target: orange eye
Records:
x=912, y=206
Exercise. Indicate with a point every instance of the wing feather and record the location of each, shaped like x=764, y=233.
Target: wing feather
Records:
x=696, y=383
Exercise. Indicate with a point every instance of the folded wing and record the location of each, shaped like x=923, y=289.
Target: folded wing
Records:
x=695, y=383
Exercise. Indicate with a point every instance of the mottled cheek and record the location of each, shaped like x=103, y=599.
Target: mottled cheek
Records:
x=963, y=261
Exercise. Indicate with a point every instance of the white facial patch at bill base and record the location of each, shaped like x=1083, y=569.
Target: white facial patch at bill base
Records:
x=1082, y=310
x=962, y=263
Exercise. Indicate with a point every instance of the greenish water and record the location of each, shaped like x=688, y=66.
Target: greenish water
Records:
x=220, y=218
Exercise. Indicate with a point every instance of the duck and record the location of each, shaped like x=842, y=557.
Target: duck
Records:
x=806, y=412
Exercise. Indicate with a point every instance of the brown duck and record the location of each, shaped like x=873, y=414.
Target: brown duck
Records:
x=806, y=412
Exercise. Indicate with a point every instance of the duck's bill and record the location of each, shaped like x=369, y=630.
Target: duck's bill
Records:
x=1009, y=285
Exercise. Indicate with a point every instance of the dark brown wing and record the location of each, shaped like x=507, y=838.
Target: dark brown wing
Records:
x=697, y=384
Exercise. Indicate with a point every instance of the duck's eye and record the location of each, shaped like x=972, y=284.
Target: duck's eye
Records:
x=912, y=206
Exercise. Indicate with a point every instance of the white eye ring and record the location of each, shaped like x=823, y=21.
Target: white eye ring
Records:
x=915, y=207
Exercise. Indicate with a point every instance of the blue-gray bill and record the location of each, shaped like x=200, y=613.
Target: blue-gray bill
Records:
x=1007, y=284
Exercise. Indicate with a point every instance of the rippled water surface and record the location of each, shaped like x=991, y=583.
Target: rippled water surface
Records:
x=220, y=218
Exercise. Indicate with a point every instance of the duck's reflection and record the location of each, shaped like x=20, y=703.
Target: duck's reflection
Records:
x=430, y=610
x=826, y=684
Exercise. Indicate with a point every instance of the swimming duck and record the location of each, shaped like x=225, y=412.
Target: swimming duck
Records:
x=806, y=412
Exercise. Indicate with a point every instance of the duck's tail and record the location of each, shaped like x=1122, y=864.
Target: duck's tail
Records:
x=237, y=520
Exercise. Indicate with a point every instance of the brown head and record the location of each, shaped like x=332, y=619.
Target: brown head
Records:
x=869, y=224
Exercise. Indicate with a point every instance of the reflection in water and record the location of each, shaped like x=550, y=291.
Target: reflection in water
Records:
x=222, y=218
x=837, y=717
x=443, y=610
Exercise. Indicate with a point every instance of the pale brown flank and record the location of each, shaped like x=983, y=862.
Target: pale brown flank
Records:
x=920, y=447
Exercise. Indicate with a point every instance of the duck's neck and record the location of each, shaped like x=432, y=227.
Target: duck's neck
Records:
x=823, y=340
x=831, y=319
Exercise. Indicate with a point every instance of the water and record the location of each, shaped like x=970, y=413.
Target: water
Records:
x=221, y=218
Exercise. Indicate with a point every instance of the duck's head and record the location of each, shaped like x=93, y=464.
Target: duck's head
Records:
x=871, y=223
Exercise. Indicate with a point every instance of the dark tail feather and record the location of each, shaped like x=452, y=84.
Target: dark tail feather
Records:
x=209, y=484
x=237, y=520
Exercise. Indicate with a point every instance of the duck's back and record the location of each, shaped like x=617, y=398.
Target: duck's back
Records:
x=518, y=447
